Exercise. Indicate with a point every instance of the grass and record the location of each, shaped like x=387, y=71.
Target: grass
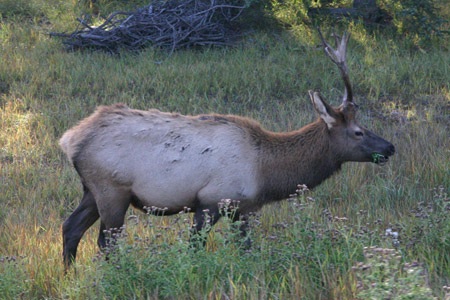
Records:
x=306, y=248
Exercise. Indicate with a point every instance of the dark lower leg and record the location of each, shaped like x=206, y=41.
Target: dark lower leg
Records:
x=101, y=241
x=76, y=225
x=243, y=227
x=204, y=219
x=111, y=225
x=107, y=239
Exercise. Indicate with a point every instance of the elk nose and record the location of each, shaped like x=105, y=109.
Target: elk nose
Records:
x=390, y=150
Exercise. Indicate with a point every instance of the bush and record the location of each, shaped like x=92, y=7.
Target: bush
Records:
x=418, y=20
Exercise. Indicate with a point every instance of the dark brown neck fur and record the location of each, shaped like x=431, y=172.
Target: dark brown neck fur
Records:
x=287, y=159
x=299, y=157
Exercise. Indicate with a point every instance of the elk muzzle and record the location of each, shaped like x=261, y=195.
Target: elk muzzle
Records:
x=381, y=149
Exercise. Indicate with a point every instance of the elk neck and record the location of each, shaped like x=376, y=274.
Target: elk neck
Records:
x=292, y=158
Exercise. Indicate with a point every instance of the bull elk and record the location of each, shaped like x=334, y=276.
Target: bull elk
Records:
x=155, y=159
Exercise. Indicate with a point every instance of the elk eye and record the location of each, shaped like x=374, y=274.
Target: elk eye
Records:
x=359, y=133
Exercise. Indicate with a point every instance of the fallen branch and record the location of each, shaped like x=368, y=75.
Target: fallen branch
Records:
x=171, y=24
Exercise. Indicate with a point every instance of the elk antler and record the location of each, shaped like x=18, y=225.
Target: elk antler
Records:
x=338, y=56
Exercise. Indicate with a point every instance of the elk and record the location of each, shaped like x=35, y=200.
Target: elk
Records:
x=156, y=159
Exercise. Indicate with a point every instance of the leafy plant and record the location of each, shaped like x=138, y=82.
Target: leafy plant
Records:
x=383, y=275
x=419, y=20
x=165, y=267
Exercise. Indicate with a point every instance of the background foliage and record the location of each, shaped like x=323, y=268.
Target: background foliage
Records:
x=313, y=246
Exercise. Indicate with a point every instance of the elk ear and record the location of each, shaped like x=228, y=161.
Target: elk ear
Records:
x=325, y=111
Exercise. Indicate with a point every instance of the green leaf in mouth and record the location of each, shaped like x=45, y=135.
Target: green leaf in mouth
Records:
x=377, y=157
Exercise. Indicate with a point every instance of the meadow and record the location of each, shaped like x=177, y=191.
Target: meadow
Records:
x=369, y=232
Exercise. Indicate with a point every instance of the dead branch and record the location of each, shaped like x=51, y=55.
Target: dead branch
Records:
x=171, y=24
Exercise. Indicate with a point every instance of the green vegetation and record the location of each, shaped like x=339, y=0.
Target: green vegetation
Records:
x=386, y=277
x=309, y=247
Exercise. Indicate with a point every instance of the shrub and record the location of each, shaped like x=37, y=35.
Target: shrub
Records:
x=418, y=20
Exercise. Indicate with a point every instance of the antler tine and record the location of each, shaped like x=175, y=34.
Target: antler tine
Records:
x=326, y=45
x=336, y=38
x=338, y=56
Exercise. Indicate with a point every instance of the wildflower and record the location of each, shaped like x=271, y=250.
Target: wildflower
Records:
x=393, y=234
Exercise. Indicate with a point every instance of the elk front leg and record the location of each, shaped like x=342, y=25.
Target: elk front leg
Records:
x=243, y=228
x=204, y=219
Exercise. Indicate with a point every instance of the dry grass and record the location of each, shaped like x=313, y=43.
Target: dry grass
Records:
x=307, y=253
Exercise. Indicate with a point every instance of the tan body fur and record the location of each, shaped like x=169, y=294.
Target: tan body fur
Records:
x=175, y=161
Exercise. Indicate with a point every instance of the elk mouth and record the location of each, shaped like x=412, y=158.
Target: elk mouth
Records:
x=380, y=159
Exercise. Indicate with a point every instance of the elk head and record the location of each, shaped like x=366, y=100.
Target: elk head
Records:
x=349, y=140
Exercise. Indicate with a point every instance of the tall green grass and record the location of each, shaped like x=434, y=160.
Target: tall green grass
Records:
x=302, y=249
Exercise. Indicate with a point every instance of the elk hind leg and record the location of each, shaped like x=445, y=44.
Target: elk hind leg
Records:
x=112, y=208
x=101, y=241
x=76, y=225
